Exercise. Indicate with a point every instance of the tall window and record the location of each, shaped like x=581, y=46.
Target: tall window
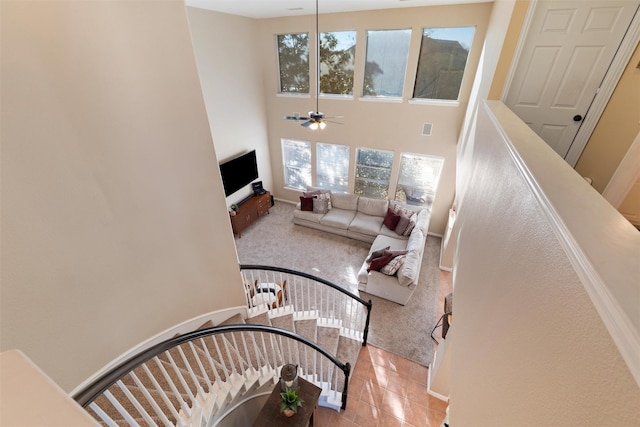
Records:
x=332, y=169
x=337, y=53
x=293, y=60
x=373, y=172
x=443, y=58
x=418, y=179
x=296, y=160
x=386, y=64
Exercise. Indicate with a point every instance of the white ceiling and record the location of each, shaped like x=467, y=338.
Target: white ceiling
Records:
x=276, y=8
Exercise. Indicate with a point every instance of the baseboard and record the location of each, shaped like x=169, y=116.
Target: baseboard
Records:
x=431, y=392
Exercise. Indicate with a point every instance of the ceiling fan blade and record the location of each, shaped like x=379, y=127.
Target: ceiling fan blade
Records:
x=331, y=121
x=306, y=124
x=296, y=118
x=335, y=117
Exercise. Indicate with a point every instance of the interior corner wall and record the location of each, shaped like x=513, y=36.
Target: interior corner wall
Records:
x=529, y=348
x=114, y=224
x=231, y=78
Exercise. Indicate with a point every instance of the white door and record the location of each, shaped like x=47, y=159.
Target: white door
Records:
x=567, y=51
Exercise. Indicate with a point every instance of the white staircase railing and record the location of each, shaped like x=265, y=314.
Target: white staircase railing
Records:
x=273, y=288
x=200, y=377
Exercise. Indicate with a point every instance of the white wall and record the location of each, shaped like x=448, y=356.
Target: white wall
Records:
x=231, y=75
x=545, y=280
x=114, y=224
x=382, y=125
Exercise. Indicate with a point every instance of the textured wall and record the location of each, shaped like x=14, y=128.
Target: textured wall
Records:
x=529, y=347
x=114, y=224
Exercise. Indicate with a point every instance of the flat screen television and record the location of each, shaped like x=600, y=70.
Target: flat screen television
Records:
x=238, y=172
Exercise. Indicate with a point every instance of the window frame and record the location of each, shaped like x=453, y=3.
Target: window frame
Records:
x=318, y=167
x=385, y=98
x=356, y=178
x=280, y=92
x=442, y=101
x=429, y=195
x=285, y=167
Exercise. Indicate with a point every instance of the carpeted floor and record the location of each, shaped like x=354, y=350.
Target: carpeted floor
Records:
x=403, y=330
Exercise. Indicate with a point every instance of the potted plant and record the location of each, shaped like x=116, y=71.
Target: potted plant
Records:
x=289, y=401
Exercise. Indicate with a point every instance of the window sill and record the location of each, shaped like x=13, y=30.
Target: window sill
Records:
x=293, y=95
x=390, y=99
x=434, y=102
x=336, y=97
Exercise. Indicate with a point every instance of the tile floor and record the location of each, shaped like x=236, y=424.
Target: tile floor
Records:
x=387, y=390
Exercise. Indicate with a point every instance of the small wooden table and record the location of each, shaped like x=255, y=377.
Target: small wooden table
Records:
x=270, y=414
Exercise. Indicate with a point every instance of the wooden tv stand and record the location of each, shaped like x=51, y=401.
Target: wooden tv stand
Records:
x=250, y=210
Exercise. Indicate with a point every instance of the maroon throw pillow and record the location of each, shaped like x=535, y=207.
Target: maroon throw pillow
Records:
x=377, y=263
x=391, y=219
x=306, y=203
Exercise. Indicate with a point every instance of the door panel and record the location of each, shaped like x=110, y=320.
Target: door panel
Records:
x=568, y=49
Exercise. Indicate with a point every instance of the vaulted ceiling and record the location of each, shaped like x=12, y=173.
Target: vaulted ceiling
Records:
x=277, y=8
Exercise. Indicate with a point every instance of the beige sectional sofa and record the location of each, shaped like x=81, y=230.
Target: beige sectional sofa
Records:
x=362, y=218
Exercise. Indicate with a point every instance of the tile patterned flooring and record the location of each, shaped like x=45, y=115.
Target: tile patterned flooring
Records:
x=387, y=390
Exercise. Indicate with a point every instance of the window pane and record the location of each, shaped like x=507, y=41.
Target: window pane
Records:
x=387, y=52
x=333, y=166
x=296, y=160
x=337, y=53
x=443, y=57
x=418, y=179
x=293, y=59
x=373, y=172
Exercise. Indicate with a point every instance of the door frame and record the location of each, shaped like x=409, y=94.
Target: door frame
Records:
x=611, y=78
x=625, y=176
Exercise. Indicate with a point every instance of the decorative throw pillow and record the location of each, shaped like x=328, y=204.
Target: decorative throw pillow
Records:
x=396, y=253
x=412, y=224
x=320, y=206
x=402, y=211
x=391, y=219
x=326, y=196
x=306, y=203
x=393, y=266
x=403, y=223
x=377, y=263
x=378, y=253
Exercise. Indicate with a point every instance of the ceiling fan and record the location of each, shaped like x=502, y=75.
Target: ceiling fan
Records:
x=315, y=119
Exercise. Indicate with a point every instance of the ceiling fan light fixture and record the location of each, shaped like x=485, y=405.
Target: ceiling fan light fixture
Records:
x=322, y=125
x=313, y=126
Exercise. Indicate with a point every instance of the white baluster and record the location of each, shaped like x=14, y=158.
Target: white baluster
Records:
x=161, y=391
x=151, y=400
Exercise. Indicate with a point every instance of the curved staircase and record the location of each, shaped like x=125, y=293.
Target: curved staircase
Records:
x=200, y=377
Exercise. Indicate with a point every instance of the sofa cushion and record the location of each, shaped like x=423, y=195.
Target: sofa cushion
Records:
x=423, y=221
x=366, y=224
x=338, y=218
x=345, y=201
x=416, y=240
x=375, y=207
x=307, y=216
x=408, y=272
x=306, y=203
